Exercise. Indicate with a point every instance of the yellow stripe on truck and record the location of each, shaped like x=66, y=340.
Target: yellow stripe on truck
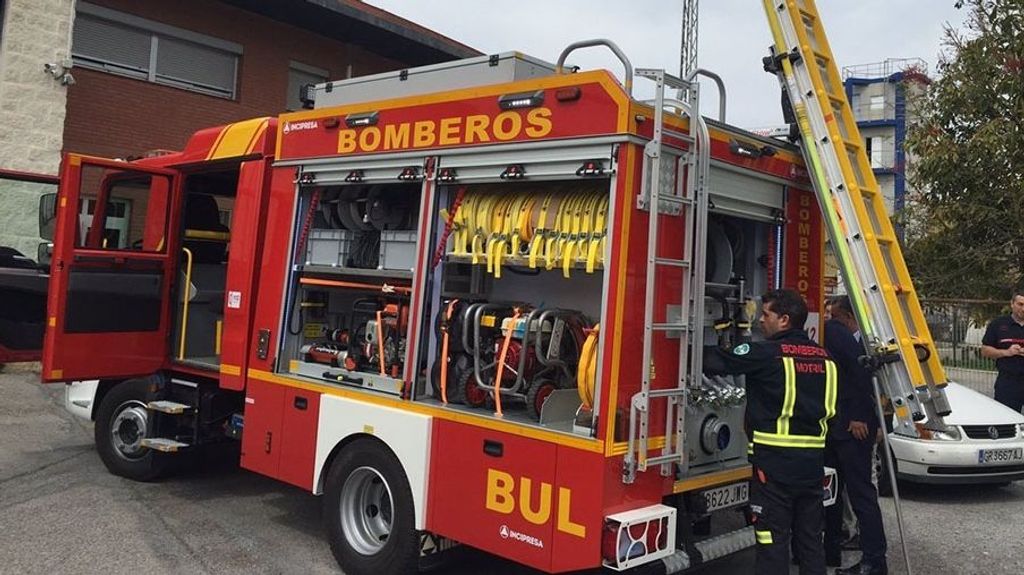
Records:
x=237, y=139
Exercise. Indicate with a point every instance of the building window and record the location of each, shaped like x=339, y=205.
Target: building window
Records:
x=298, y=76
x=875, y=152
x=127, y=45
x=877, y=103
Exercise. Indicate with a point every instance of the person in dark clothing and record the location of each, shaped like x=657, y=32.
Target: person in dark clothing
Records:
x=1004, y=342
x=791, y=394
x=848, y=449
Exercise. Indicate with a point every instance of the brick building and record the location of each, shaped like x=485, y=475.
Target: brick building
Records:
x=127, y=76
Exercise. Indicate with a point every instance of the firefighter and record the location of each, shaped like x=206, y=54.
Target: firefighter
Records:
x=791, y=395
x=850, y=445
x=1004, y=342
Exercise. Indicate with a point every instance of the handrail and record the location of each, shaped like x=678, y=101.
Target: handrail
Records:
x=184, y=302
x=721, y=88
x=32, y=177
x=628, y=82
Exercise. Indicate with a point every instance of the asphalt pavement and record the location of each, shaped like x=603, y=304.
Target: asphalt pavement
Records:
x=61, y=512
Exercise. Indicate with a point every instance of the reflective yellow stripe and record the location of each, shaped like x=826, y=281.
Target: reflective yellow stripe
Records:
x=831, y=376
x=764, y=537
x=781, y=440
x=789, y=400
x=207, y=235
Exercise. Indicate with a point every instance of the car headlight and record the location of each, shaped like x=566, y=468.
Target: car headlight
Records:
x=949, y=433
x=1020, y=428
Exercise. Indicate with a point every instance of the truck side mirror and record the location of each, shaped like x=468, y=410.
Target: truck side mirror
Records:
x=47, y=215
x=44, y=254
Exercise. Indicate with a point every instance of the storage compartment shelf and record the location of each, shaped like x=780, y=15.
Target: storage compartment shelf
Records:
x=521, y=262
x=340, y=375
x=336, y=271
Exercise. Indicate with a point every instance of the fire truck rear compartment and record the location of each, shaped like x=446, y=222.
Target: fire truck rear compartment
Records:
x=511, y=257
x=348, y=313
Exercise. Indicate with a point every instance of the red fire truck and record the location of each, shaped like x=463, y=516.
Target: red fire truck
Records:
x=439, y=298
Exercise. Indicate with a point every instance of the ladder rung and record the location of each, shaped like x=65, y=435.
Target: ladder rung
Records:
x=852, y=144
x=162, y=444
x=808, y=15
x=678, y=326
x=674, y=200
x=678, y=135
x=888, y=240
x=821, y=58
x=669, y=458
x=669, y=392
x=672, y=262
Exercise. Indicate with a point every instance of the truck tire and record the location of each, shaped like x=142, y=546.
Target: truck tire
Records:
x=122, y=420
x=882, y=469
x=369, y=512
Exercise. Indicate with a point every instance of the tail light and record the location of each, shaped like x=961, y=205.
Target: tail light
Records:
x=621, y=542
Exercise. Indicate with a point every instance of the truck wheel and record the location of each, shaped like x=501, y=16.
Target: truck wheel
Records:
x=882, y=469
x=122, y=420
x=369, y=512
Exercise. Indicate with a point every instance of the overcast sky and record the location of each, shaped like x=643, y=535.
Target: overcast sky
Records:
x=733, y=36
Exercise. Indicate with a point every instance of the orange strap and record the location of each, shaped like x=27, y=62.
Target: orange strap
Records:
x=501, y=363
x=444, y=350
x=380, y=342
x=384, y=287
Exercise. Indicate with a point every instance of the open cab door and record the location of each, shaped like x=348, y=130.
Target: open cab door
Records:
x=112, y=271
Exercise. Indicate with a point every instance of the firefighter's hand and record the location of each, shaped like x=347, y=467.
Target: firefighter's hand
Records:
x=1015, y=349
x=858, y=429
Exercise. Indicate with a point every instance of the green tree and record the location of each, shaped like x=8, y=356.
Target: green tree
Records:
x=965, y=225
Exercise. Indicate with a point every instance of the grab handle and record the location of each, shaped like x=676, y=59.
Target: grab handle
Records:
x=628, y=80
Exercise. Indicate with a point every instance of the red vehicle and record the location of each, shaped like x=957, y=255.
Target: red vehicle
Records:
x=22, y=281
x=438, y=299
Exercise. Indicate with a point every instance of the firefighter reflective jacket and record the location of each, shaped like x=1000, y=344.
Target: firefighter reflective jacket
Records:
x=791, y=395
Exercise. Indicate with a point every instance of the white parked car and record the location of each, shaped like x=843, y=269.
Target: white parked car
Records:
x=985, y=444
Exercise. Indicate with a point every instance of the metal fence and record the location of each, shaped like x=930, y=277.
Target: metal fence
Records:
x=957, y=327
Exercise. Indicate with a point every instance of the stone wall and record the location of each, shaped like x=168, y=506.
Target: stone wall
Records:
x=32, y=109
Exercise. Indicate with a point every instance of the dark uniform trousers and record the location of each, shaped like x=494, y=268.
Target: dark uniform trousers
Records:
x=853, y=459
x=1010, y=391
x=782, y=511
x=791, y=387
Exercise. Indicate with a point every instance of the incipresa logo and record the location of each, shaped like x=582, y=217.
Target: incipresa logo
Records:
x=296, y=126
x=507, y=533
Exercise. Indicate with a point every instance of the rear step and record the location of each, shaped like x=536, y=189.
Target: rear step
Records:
x=163, y=444
x=169, y=407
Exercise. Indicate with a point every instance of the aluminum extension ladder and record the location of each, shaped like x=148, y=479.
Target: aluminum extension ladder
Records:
x=661, y=195
x=880, y=288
